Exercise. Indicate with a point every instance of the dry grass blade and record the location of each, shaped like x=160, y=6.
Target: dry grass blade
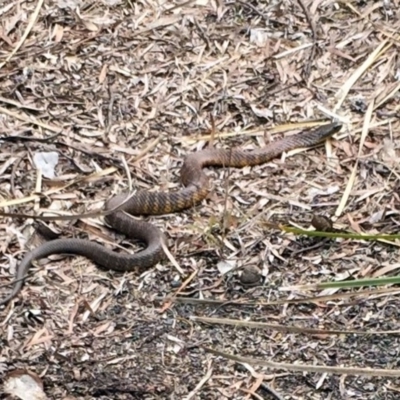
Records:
x=203, y=381
x=30, y=120
x=285, y=328
x=391, y=280
x=344, y=90
x=26, y=33
x=361, y=294
x=352, y=177
x=90, y=178
x=389, y=96
x=309, y=368
x=19, y=105
x=173, y=261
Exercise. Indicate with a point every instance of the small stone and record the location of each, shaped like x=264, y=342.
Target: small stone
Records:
x=322, y=223
x=250, y=276
x=175, y=283
x=24, y=385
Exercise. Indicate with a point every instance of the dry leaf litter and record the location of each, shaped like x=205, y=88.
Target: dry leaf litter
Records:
x=98, y=97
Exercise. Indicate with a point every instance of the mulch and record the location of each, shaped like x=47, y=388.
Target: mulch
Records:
x=116, y=93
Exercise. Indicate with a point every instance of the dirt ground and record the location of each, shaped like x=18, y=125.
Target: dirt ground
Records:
x=121, y=91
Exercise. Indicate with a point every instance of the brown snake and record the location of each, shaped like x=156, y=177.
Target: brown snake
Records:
x=196, y=188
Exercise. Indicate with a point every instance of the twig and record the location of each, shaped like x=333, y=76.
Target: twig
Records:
x=314, y=36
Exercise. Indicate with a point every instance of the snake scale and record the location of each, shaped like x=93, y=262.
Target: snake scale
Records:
x=196, y=188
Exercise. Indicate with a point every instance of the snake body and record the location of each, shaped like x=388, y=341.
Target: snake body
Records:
x=196, y=188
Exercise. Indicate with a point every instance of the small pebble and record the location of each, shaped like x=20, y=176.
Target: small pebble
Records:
x=322, y=223
x=250, y=276
x=176, y=283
